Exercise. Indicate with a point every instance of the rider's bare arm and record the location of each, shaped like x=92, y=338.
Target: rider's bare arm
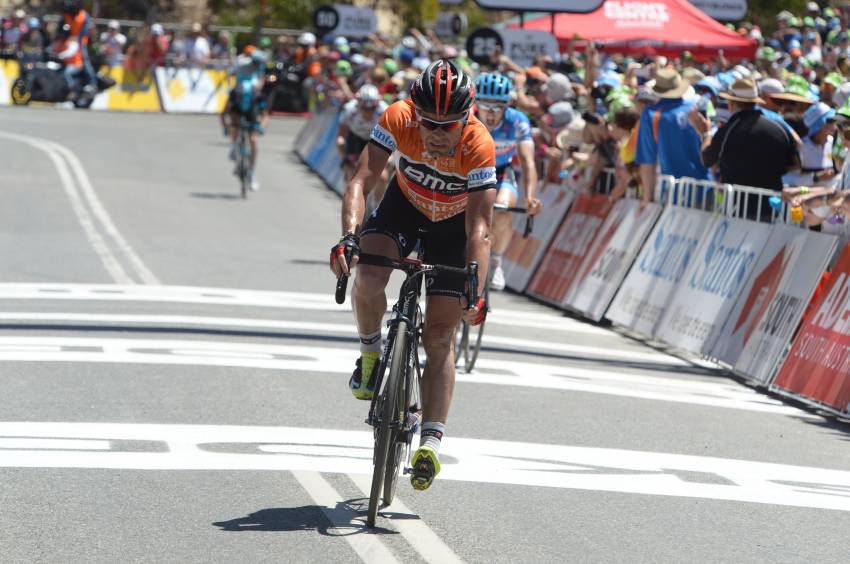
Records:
x=369, y=168
x=341, y=134
x=479, y=218
x=525, y=150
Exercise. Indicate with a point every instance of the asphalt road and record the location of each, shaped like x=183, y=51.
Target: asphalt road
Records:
x=174, y=389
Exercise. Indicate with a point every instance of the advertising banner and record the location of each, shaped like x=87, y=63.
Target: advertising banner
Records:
x=345, y=20
x=8, y=74
x=135, y=91
x=723, y=10
x=818, y=366
x=192, y=90
x=650, y=284
x=621, y=237
x=525, y=45
x=711, y=285
x=569, y=247
x=570, y=6
x=769, y=310
x=523, y=255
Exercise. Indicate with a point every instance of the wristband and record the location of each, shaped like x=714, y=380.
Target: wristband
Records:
x=804, y=189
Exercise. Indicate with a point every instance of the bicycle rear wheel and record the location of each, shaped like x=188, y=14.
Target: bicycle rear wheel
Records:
x=243, y=171
x=389, y=426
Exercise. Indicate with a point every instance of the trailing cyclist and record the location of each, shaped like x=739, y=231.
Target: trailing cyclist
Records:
x=246, y=101
x=445, y=184
x=359, y=116
x=511, y=131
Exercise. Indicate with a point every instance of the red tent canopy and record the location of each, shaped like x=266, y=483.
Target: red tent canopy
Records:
x=652, y=27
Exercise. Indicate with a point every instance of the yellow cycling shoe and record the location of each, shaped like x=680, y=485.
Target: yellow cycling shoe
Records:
x=426, y=466
x=360, y=389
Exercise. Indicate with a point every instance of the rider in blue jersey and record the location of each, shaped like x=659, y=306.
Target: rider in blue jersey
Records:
x=511, y=131
x=246, y=101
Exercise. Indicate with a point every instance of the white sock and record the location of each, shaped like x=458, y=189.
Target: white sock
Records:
x=496, y=260
x=432, y=434
x=371, y=342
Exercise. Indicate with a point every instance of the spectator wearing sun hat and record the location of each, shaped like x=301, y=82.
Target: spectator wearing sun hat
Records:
x=665, y=139
x=816, y=150
x=750, y=149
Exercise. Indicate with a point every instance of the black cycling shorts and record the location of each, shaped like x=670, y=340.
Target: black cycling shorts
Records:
x=252, y=115
x=354, y=144
x=445, y=241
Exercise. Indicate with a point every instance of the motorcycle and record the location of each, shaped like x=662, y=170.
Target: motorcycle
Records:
x=44, y=81
x=283, y=88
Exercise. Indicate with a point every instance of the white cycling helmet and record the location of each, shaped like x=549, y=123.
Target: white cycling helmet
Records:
x=307, y=39
x=368, y=96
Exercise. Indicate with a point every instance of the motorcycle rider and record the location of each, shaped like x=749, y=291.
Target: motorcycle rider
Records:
x=68, y=52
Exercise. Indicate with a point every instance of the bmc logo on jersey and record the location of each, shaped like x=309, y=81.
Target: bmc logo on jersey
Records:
x=428, y=180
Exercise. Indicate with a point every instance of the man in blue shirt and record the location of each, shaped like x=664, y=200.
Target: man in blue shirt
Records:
x=666, y=137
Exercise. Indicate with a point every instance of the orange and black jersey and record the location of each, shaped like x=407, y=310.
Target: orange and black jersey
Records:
x=436, y=186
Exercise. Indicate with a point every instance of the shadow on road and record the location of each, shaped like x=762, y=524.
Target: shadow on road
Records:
x=346, y=518
x=216, y=196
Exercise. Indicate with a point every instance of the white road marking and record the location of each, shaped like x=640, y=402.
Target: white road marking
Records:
x=53, y=444
x=337, y=328
x=368, y=547
x=330, y=360
x=260, y=298
x=141, y=270
x=417, y=534
x=215, y=447
x=84, y=217
x=90, y=212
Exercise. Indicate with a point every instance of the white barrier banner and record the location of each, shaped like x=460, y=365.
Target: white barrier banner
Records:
x=649, y=286
x=620, y=239
x=192, y=90
x=769, y=310
x=523, y=255
x=714, y=280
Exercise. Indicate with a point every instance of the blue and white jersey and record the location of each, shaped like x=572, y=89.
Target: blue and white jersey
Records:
x=248, y=79
x=514, y=128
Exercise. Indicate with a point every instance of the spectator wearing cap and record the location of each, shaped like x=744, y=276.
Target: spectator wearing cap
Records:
x=113, y=42
x=155, y=47
x=665, y=139
x=749, y=149
x=196, y=48
x=556, y=119
x=816, y=150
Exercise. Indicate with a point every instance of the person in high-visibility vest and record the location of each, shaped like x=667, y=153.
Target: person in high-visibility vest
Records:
x=79, y=23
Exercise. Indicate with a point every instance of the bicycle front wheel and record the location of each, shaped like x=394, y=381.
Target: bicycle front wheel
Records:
x=469, y=339
x=389, y=426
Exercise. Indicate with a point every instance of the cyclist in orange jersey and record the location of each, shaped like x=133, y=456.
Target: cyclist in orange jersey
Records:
x=445, y=184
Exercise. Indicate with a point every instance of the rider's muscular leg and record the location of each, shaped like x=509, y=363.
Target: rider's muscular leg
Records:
x=253, y=140
x=502, y=226
x=368, y=295
x=438, y=381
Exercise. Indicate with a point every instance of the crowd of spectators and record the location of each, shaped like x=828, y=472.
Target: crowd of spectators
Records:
x=777, y=121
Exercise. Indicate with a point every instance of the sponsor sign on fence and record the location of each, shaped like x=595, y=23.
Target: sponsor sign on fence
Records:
x=650, y=284
x=711, y=285
x=620, y=239
x=769, y=310
x=134, y=90
x=189, y=90
x=818, y=366
x=523, y=255
x=569, y=248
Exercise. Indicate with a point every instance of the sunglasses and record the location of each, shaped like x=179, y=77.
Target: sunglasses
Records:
x=446, y=126
x=491, y=107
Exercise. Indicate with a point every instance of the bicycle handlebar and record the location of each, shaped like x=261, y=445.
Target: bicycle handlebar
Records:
x=529, y=220
x=415, y=268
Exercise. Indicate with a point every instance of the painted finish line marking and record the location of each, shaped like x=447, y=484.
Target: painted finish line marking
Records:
x=329, y=360
x=257, y=298
x=646, y=355
x=202, y=447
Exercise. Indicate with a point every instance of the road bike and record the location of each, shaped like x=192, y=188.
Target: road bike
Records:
x=243, y=156
x=469, y=338
x=395, y=411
